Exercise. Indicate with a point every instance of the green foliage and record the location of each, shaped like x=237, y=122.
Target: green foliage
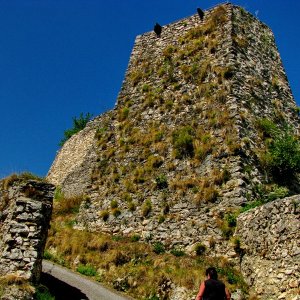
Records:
x=58, y=193
x=47, y=255
x=135, y=238
x=231, y=275
x=251, y=205
x=228, y=225
x=264, y=194
x=161, y=182
x=87, y=270
x=200, y=249
x=284, y=155
x=78, y=124
x=231, y=220
x=42, y=293
x=161, y=219
x=158, y=248
x=177, y=252
x=182, y=140
x=267, y=127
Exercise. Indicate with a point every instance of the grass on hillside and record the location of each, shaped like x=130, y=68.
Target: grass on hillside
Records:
x=138, y=269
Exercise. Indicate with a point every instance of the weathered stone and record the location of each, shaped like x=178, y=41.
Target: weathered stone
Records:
x=23, y=234
x=275, y=270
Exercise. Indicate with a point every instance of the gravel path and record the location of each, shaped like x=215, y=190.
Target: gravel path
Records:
x=93, y=290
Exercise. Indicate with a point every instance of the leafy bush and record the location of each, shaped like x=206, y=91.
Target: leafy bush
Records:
x=182, y=140
x=251, y=205
x=284, y=155
x=78, y=124
x=158, y=248
x=87, y=270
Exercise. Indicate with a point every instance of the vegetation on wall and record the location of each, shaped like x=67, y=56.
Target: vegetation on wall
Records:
x=281, y=157
x=79, y=123
x=126, y=264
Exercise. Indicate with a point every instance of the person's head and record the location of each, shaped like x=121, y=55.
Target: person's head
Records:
x=211, y=273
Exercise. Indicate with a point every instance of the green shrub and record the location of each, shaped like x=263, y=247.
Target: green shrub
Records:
x=78, y=124
x=228, y=225
x=231, y=220
x=135, y=238
x=47, y=255
x=161, y=182
x=177, y=252
x=87, y=270
x=200, y=249
x=158, y=248
x=251, y=205
x=278, y=192
x=267, y=127
x=182, y=140
x=284, y=156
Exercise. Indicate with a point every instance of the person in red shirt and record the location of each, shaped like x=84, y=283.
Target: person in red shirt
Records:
x=212, y=288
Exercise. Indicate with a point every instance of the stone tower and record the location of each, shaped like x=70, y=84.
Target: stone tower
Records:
x=181, y=149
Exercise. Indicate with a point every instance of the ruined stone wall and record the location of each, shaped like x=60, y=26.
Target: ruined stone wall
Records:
x=270, y=236
x=24, y=222
x=74, y=163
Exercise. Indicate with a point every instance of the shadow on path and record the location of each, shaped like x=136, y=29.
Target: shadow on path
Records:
x=61, y=290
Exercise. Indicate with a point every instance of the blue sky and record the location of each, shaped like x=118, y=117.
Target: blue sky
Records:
x=59, y=58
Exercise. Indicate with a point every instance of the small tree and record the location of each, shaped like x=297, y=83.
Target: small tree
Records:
x=284, y=154
x=78, y=124
x=282, y=158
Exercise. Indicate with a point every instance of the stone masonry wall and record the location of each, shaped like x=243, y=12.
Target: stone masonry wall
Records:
x=270, y=236
x=74, y=163
x=24, y=222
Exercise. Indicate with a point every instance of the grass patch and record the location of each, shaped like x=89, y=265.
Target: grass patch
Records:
x=87, y=270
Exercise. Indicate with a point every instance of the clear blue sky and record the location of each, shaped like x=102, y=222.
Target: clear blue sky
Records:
x=62, y=57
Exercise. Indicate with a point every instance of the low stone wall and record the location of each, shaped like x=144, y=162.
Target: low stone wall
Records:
x=270, y=236
x=24, y=222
